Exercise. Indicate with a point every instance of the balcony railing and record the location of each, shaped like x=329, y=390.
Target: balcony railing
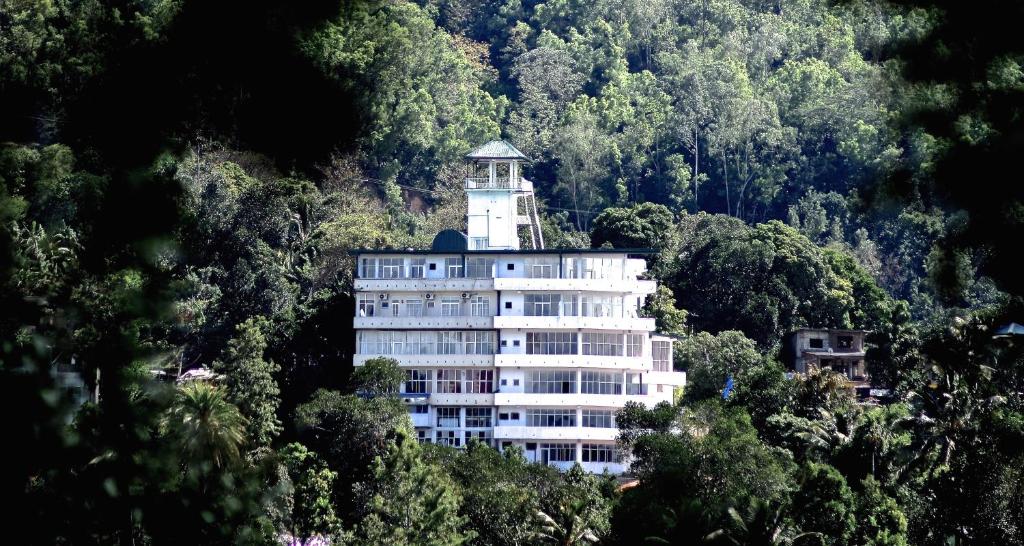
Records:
x=487, y=183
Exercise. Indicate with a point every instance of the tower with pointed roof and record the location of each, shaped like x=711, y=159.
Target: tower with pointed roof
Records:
x=500, y=199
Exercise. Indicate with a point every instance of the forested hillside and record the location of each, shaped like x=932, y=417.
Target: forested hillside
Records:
x=181, y=183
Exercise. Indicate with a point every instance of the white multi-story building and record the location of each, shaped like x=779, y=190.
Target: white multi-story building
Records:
x=527, y=347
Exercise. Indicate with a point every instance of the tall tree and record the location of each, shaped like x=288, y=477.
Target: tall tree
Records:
x=411, y=502
x=206, y=425
x=250, y=381
x=312, y=482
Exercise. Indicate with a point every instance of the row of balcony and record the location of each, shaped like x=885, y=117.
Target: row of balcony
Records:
x=517, y=360
x=519, y=432
x=521, y=399
x=634, y=324
x=624, y=286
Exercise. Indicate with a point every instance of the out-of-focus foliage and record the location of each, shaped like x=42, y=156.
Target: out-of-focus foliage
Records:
x=181, y=183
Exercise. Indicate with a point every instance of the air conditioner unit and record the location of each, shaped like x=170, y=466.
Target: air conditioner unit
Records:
x=465, y=295
x=428, y=296
x=383, y=295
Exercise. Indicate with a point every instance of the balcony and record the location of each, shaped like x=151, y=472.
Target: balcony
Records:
x=633, y=363
x=675, y=379
x=455, y=284
x=554, y=433
x=494, y=183
x=572, y=322
x=462, y=399
x=571, y=399
x=425, y=322
x=623, y=286
x=432, y=360
x=414, y=398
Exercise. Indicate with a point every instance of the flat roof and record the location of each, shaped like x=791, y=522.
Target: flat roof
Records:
x=639, y=251
x=835, y=330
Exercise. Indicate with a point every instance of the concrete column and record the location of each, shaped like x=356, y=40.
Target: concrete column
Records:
x=579, y=381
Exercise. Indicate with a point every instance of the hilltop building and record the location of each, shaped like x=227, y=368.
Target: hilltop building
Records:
x=514, y=346
x=839, y=350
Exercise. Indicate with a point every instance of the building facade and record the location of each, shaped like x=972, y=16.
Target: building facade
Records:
x=841, y=351
x=514, y=346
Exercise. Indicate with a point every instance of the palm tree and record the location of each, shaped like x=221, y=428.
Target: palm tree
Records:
x=690, y=523
x=760, y=524
x=831, y=432
x=570, y=530
x=207, y=426
x=947, y=418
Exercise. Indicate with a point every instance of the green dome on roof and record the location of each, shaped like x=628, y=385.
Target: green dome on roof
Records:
x=496, y=149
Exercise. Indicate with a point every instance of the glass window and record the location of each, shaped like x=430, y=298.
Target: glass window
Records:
x=478, y=243
x=550, y=418
x=414, y=308
x=600, y=453
x=844, y=342
x=479, y=381
x=634, y=345
x=478, y=417
x=423, y=436
x=450, y=306
x=816, y=343
x=420, y=343
x=417, y=381
x=662, y=355
x=480, y=306
x=368, y=268
x=391, y=268
x=480, y=268
x=480, y=343
x=417, y=268
x=551, y=343
x=485, y=437
x=450, y=438
x=453, y=266
x=541, y=305
x=418, y=409
x=635, y=384
x=448, y=417
x=542, y=271
x=367, y=303
x=598, y=418
x=424, y=342
x=449, y=343
x=600, y=383
x=602, y=344
x=449, y=381
x=557, y=453
x=551, y=382
x=542, y=268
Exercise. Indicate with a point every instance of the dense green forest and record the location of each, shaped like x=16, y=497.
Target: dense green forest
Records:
x=181, y=183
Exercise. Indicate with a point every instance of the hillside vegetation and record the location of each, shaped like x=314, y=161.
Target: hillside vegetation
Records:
x=181, y=183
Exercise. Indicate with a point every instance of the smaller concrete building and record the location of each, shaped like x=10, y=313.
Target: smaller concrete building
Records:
x=841, y=351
